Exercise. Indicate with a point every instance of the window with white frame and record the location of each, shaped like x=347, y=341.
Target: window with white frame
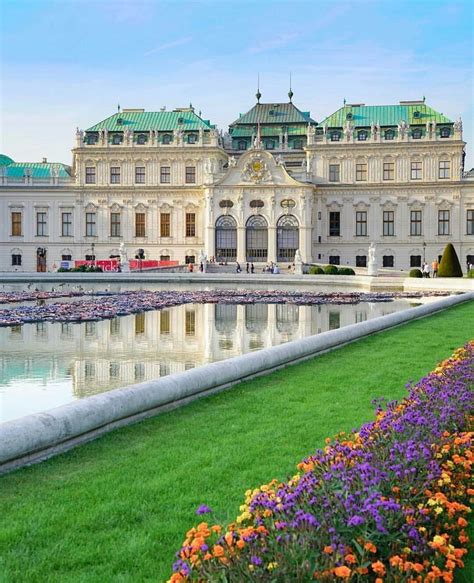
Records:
x=41, y=224
x=139, y=174
x=66, y=224
x=334, y=172
x=16, y=259
x=470, y=222
x=389, y=170
x=416, y=170
x=443, y=222
x=190, y=175
x=115, y=175
x=361, y=223
x=388, y=223
x=361, y=172
x=388, y=261
x=165, y=174
x=415, y=223
x=115, y=224
x=90, y=174
x=444, y=170
x=91, y=224
x=334, y=224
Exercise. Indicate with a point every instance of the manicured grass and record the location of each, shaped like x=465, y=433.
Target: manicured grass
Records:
x=118, y=508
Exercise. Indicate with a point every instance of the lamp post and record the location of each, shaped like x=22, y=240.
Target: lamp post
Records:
x=424, y=251
x=93, y=253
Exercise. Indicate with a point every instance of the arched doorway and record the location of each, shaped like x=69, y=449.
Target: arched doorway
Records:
x=226, y=238
x=257, y=239
x=288, y=237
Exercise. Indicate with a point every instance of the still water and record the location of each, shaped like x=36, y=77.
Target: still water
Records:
x=45, y=365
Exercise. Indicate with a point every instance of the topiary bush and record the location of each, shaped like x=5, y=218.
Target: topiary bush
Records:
x=330, y=270
x=415, y=273
x=470, y=273
x=449, y=265
x=345, y=271
x=315, y=270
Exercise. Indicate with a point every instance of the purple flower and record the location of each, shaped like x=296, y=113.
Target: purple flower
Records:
x=355, y=521
x=203, y=509
x=256, y=560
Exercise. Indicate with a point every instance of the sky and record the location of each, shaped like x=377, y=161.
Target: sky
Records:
x=69, y=63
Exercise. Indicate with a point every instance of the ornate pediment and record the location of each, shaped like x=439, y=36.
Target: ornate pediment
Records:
x=256, y=169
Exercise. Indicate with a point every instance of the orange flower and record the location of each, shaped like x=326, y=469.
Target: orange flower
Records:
x=396, y=561
x=370, y=547
x=350, y=559
x=418, y=567
x=343, y=572
x=328, y=550
x=462, y=522
x=176, y=578
x=216, y=528
x=240, y=544
x=229, y=539
x=379, y=568
x=362, y=570
x=218, y=550
x=379, y=580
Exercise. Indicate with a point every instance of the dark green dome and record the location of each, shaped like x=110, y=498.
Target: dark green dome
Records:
x=5, y=160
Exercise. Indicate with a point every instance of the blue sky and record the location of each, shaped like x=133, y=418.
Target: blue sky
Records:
x=68, y=63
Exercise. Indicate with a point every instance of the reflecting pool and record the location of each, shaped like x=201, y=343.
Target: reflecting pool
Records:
x=44, y=365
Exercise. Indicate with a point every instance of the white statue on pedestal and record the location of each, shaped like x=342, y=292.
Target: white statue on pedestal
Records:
x=202, y=261
x=298, y=263
x=372, y=267
x=124, y=266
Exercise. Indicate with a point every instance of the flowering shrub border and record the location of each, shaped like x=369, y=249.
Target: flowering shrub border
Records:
x=385, y=504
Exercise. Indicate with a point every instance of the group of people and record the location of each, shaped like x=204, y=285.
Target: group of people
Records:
x=428, y=271
x=250, y=268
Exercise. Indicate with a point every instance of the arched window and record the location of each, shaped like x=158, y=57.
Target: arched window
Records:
x=242, y=145
x=226, y=238
x=288, y=235
x=192, y=138
x=166, y=139
x=416, y=134
x=91, y=139
x=257, y=238
x=362, y=136
x=141, y=139
x=445, y=132
x=335, y=136
x=116, y=139
x=389, y=134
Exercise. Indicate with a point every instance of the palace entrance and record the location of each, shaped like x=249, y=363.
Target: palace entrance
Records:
x=226, y=238
x=257, y=239
x=288, y=236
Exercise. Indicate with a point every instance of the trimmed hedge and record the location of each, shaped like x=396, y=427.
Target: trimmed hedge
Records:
x=470, y=273
x=330, y=270
x=315, y=270
x=415, y=273
x=345, y=271
x=449, y=265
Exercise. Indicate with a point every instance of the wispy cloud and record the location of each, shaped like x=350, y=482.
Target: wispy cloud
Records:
x=268, y=45
x=171, y=45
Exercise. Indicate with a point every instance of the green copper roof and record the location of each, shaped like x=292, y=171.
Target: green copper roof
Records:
x=5, y=160
x=38, y=170
x=273, y=113
x=385, y=115
x=267, y=131
x=163, y=121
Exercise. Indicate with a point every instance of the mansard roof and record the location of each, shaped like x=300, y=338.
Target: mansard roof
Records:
x=140, y=120
x=274, y=113
x=361, y=115
x=37, y=169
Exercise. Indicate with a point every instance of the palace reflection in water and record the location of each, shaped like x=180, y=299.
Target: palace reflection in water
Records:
x=45, y=365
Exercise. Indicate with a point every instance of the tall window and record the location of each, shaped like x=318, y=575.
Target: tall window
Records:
x=334, y=172
x=361, y=260
x=190, y=177
x=115, y=224
x=16, y=259
x=139, y=224
x=140, y=175
x=242, y=145
x=190, y=225
x=190, y=322
x=91, y=224
x=165, y=326
x=115, y=175
x=165, y=225
x=389, y=170
x=470, y=222
x=361, y=223
x=444, y=169
x=41, y=226
x=388, y=223
x=416, y=170
x=415, y=260
x=415, y=223
x=66, y=224
x=388, y=261
x=443, y=222
x=16, y=224
x=361, y=172
x=90, y=174
x=165, y=174
x=334, y=224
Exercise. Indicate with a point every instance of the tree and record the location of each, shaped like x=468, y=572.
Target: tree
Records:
x=449, y=265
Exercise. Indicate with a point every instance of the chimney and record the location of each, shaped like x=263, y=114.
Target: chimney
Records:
x=45, y=160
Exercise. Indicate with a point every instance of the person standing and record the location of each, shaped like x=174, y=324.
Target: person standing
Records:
x=426, y=270
x=252, y=268
x=248, y=266
x=237, y=268
x=434, y=268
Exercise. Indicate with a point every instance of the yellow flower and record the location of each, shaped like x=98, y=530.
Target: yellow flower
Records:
x=272, y=566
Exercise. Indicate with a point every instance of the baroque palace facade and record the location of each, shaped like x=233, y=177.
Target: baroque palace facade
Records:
x=169, y=183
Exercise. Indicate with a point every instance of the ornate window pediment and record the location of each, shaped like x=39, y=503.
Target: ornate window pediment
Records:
x=140, y=207
x=91, y=207
x=115, y=208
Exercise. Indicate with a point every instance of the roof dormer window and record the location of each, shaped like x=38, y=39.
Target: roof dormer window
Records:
x=192, y=138
x=270, y=144
x=141, y=139
x=166, y=139
x=349, y=115
x=362, y=136
x=335, y=136
x=445, y=132
x=116, y=139
x=416, y=114
x=416, y=134
x=180, y=120
x=389, y=134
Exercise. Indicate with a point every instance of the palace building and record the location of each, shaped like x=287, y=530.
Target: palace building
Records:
x=170, y=183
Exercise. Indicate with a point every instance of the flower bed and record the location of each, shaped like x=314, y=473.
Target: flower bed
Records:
x=386, y=503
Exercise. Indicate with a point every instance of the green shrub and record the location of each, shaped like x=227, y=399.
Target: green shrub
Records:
x=63, y=270
x=470, y=273
x=415, y=273
x=345, y=271
x=449, y=265
x=315, y=270
x=330, y=270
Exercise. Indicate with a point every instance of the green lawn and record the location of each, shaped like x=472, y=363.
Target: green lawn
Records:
x=118, y=508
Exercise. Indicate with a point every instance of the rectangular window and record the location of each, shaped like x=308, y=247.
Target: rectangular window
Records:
x=415, y=260
x=16, y=224
x=139, y=224
x=140, y=323
x=115, y=224
x=16, y=259
x=165, y=225
x=190, y=175
x=165, y=322
x=387, y=261
x=416, y=170
x=139, y=174
x=389, y=170
x=41, y=226
x=334, y=320
x=361, y=172
x=115, y=326
x=91, y=225
x=334, y=172
x=165, y=174
x=415, y=223
x=470, y=222
x=115, y=175
x=334, y=224
x=66, y=257
x=361, y=260
x=334, y=260
x=66, y=224
x=361, y=223
x=190, y=225
x=190, y=322
x=444, y=169
x=388, y=223
x=443, y=222
x=90, y=174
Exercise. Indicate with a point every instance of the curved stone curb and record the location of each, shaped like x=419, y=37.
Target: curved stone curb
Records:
x=36, y=437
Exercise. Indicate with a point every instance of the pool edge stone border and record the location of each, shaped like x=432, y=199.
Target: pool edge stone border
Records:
x=36, y=437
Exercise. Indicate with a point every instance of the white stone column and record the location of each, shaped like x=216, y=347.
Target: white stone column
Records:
x=241, y=243
x=272, y=244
